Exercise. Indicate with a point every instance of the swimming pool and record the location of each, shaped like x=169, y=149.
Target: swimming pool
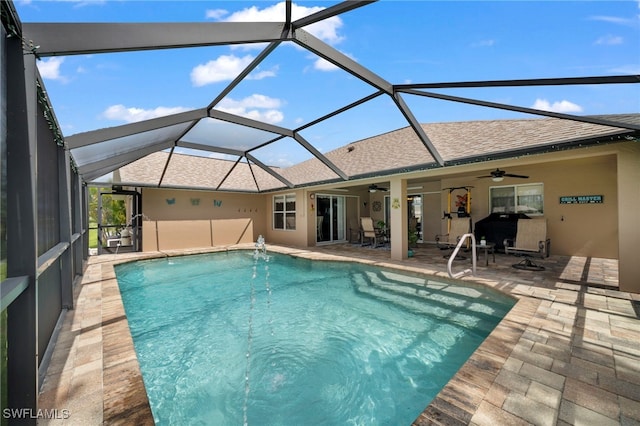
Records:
x=227, y=339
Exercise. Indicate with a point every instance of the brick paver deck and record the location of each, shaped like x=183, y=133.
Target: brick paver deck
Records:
x=567, y=353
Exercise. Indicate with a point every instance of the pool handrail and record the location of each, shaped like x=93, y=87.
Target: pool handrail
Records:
x=462, y=241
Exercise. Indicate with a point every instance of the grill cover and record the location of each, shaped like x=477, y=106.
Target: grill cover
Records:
x=498, y=226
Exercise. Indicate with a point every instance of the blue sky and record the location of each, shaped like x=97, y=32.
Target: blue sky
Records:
x=401, y=41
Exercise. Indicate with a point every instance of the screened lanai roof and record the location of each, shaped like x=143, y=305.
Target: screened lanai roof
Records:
x=396, y=151
x=213, y=147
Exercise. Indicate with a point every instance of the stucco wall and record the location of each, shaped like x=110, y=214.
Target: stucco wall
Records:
x=580, y=229
x=301, y=235
x=574, y=229
x=176, y=219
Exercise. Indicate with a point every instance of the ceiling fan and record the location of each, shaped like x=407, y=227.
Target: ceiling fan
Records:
x=498, y=175
x=373, y=188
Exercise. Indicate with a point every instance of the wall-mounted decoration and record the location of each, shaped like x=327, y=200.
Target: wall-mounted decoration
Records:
x=218, y=203
x=396, y=203
x=376, y=206
x=582, y=199
x=195, y=201
x=170, y=201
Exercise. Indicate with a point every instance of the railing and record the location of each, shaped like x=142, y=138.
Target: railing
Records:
x=462, y=241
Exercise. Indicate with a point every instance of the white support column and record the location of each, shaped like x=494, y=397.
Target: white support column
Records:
x=398, y=218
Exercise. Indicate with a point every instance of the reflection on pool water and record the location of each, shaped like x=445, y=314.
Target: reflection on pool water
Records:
x=225, y=338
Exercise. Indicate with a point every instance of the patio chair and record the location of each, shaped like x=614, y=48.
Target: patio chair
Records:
x=531, y=240
x=110, y=237
x=355, y=231
x=369, y=232
x=458, y=227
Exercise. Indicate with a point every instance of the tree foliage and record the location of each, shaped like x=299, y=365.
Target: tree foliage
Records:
x=113, y=211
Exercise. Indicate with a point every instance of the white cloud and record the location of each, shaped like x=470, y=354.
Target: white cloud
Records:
x=215, y=13
x=609, y=40
x=260, y=74
x=561, y=106
x=121, y=113
x=257, y=107
x=326, y=30
x=617, y=20
x=50, y=68
x=322, y=64
x=226, y=67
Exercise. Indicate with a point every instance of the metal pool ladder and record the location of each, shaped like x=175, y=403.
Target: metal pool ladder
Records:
x=462, y=241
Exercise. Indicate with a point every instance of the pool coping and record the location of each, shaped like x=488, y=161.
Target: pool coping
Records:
x=523, y=373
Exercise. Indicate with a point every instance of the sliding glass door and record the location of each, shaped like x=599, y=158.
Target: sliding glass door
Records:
x=330, y=218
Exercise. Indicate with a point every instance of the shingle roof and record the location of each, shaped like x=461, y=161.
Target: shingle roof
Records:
x=378, y=155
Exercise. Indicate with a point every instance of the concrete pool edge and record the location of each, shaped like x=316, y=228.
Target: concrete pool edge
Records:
x=484, y=384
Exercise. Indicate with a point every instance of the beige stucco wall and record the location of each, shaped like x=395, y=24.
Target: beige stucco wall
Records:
x=299, y=237
x=607, y=230
x=578, y=229
x=175, y=219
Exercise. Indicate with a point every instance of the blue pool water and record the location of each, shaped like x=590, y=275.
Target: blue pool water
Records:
x=225, y=339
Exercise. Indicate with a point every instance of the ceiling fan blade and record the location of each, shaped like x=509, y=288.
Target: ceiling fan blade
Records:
x=516, y=176
x=480, y=177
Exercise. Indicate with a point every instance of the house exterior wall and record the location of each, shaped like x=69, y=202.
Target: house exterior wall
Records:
x=305, y=224
x=611, y=229
x=175, y=219
x=574, y=229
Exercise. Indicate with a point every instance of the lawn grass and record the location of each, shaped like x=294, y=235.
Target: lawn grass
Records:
x=93, y=235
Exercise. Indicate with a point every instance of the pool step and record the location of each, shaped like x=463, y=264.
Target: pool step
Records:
x=459, y=305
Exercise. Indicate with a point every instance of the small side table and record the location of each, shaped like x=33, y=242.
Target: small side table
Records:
x=487, y=248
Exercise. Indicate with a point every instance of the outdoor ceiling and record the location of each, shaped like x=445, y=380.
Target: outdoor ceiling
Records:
x=245, y=145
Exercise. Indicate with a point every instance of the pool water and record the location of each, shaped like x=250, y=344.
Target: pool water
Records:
x=226, y=339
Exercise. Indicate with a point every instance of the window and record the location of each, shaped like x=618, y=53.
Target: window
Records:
x=284, y=212
x=527, y=199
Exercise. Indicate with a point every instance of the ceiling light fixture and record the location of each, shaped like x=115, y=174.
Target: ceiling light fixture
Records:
x=497, y=178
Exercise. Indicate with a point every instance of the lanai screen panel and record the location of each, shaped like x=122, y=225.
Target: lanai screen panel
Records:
x=282, y=154
x=146, y=171
x=214, y=133
x=127, y=148
x=250, y=177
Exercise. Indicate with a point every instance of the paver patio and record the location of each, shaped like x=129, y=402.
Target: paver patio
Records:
x=567, y=353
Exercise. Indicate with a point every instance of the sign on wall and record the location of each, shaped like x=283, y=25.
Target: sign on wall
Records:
x=582, y=199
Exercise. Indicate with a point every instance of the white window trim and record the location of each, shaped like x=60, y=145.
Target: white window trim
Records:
x=284, y=212
x=515, y=192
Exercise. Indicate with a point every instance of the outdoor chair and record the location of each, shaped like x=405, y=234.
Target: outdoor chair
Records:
x=457, y=228
x=531, y=240
x=369, y=232
x=355, y=231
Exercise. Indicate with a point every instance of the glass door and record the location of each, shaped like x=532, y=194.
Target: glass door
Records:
x=414, y=212
x=330, y=218
x=414, y=209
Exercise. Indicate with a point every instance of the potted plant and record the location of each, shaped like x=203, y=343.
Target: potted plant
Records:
x=412, y=238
